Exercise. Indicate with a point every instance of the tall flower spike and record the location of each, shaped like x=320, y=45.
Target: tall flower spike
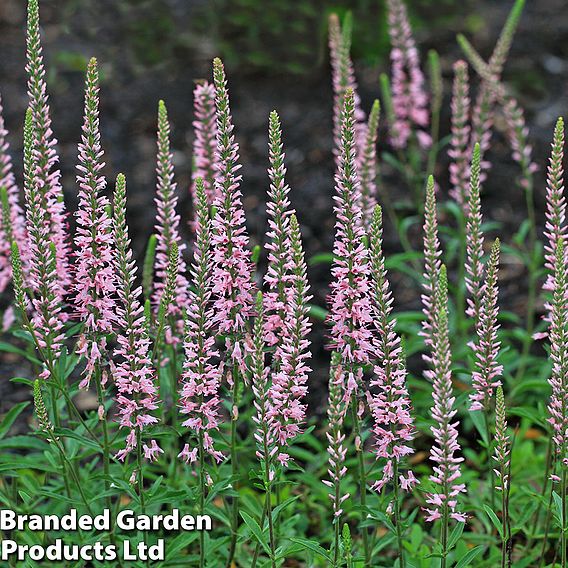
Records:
x=482, y=116
x=12, y=227
x=432, y=263
x=289, y=383
x=277, y=278
x=409, y=96
x=201, y=377
x=558, y=337
x=443, y=452
x=368, y=167
x=46, y=171
x=555, y=226
x=349, y=301
x=233, y=285
x=47, y=321
x=459, y=145
x=390, y=406
x=335, y=437
x=474, y=239
x=502, y=444
x=94, y=283
x=260, y=381
x=485, y=377
x=205, y=143
x=167, y=226
x=137, y=395
x=343, y=78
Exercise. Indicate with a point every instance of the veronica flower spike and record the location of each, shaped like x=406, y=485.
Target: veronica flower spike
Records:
x=233, y=286
x=12, y=220
x=205, y=143
x=558, y=405
x=277, y=278
x=201, y=377
x=336, y=449
x=443, y=500
x=94, y=283
x=287, y=411
x=167, y=231
x=48, y=175
x=47, y=321
x=135, y=378
x=485, y=377
x=393, y=426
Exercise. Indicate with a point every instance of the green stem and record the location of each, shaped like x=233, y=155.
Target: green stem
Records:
x=397, y=519
x=362, y=478
x=563, y=527
x=268, y=499
x=140, y=472
x=201, y=499
x=444, y=536
x=234, y=467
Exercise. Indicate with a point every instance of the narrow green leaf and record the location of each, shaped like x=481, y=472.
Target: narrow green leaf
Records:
x=11, y=417
x=465, y=560
x=256, y=530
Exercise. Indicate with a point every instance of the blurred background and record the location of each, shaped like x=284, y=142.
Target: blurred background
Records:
x=276, y=58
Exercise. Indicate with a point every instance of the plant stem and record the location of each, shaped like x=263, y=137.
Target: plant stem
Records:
x=362, y=478
x=397, y=519
x=563, y=527
x=201, y=499
x=268, y=498
x=106, y=449
x=234, y=466
x=444, y=535
x=140, y=472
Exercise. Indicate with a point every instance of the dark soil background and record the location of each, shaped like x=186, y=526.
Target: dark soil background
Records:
x=276, y=57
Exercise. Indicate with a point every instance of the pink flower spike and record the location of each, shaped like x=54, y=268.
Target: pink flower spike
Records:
x=46, y=173
x=232, y=273
x=442, y=453
x=286, y=410
x=205, y=141
x=485, y=377
x=94, y=283
x=390, y=404
x=167, y=228
x=410, y=101
x=349, y=314
x=202, y=372
x=135, y=378
x=12, y=220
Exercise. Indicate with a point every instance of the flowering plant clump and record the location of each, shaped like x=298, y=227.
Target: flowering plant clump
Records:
x=440, y=436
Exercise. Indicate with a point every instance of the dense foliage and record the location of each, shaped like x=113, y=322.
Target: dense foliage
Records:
x=444, y=442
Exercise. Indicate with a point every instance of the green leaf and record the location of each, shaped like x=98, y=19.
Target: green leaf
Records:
x=256, y=530
x=478, y=419
x=313, y=546
x=321, y=258
x=465, y=560
x=11, y=417
x=9, y=348
x=455, y=535
x=317, y=312
x=494, y=519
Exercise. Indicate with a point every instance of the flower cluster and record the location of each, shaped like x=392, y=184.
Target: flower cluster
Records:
x=93, y=283
x=205, y=144
x=201, y=378
x=134, y=375
x=167, y=226
x=349, y=298
x=444, y=500
x=409, y=95
x=390, y=406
